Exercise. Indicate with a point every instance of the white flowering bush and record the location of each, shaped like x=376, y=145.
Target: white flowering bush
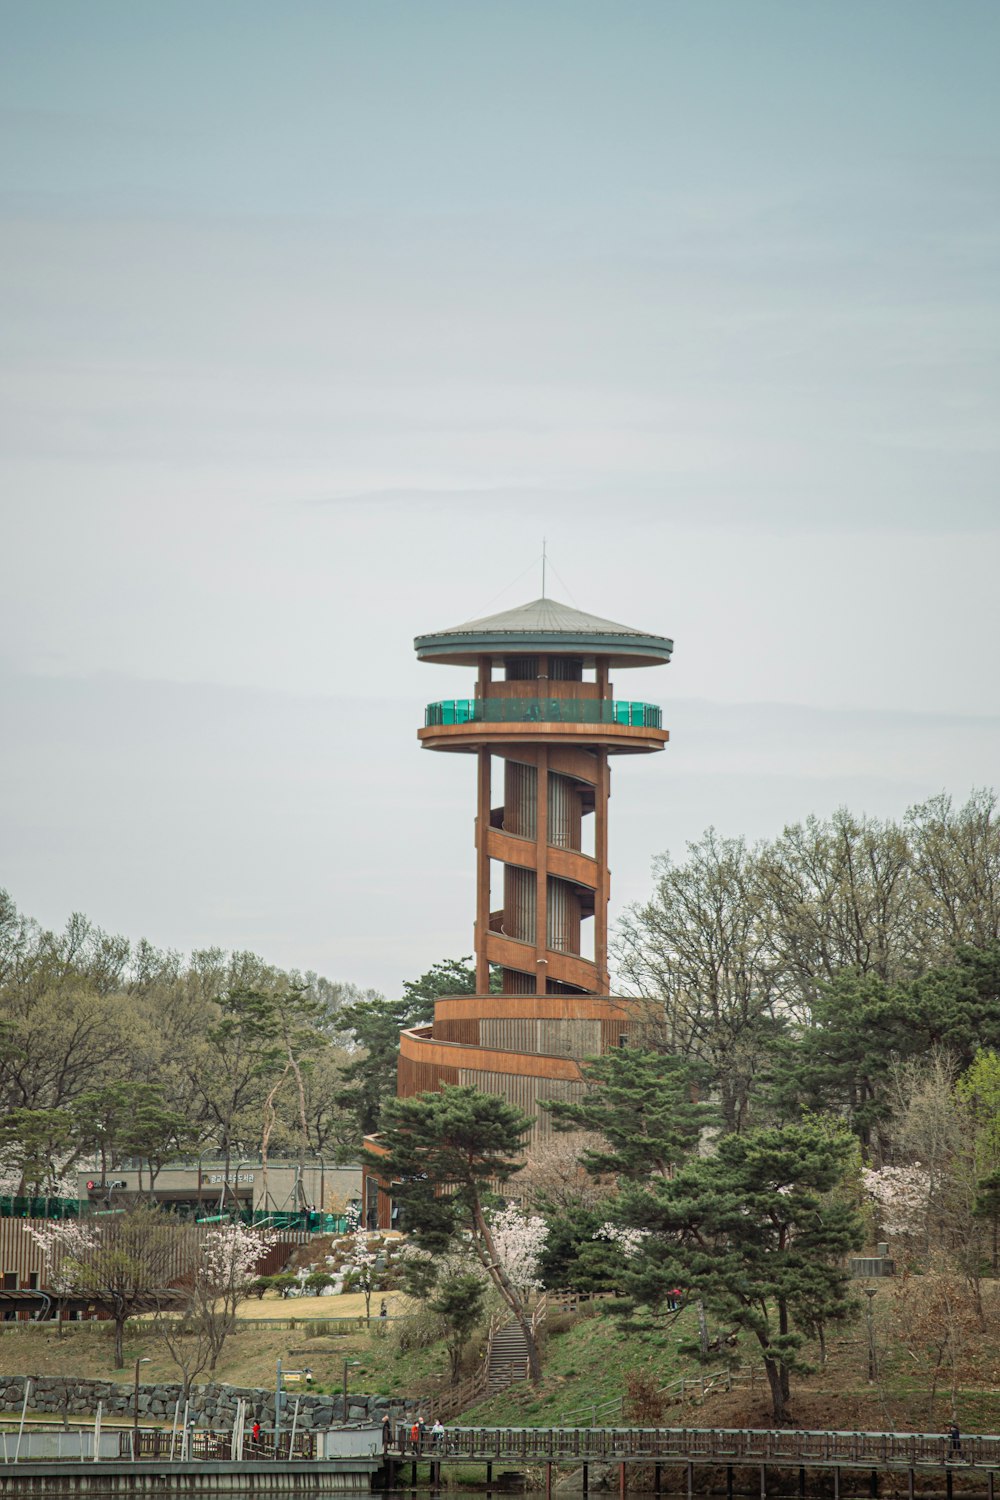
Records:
x=229, y=1256
x=901, y=1196
x=227, y=1261
x=66, y=1245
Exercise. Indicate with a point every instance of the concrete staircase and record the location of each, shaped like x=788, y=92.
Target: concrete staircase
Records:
x=508, y=1357
x=505, y=1360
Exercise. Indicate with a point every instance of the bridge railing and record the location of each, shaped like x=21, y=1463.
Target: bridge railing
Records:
x=721, y=1445
x=161, y=1443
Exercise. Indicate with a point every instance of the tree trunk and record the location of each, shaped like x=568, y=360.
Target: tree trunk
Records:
x=487, y=1252
x=120, y=1316
x=774, y=1380
x=225, y=1170
x=303, y=1126
x=783, y=1323
x=534, y=1359
x=269, y=1117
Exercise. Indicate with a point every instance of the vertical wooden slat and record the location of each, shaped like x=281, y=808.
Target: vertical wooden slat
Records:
x=541, y=865
x=483, y=871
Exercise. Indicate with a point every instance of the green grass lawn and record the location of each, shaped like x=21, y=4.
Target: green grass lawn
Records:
x=585, y=1367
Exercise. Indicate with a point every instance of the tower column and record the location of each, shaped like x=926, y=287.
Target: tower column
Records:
x=602, y=793
x=484, y=808
x=542, y=872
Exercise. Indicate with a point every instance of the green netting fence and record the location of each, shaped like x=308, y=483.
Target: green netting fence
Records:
x=306, y=1221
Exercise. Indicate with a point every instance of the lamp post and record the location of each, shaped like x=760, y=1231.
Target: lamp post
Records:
x=277, y=1407
x=135, y=1414
x=870, y=1325
x=347, y=1365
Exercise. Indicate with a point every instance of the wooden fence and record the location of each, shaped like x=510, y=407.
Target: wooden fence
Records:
x=579, y=1445
x=157, y=1444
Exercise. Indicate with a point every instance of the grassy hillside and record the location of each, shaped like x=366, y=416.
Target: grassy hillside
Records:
x=592, y=1362
x=588, y=1362
x=249, y=1357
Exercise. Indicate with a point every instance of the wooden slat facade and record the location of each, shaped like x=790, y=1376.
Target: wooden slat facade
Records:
x=416, y=1077
x=525, y=1092
x=22, y=1260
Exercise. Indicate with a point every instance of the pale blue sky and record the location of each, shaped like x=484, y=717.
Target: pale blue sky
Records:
x=316, y=316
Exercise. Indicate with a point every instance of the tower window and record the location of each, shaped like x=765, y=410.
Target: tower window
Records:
x=521, y=668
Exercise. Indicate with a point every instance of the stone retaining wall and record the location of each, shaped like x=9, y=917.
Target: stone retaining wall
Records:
x=212, y=1405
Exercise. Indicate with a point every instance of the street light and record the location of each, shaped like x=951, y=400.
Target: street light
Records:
x=870, y=1293
x=347, y=1365
x=135, y=1416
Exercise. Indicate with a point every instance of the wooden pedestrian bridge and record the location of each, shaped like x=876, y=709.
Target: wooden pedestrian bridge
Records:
x=911, y=1453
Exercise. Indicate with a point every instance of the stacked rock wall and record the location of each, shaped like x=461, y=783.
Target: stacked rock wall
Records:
x=212, y=1406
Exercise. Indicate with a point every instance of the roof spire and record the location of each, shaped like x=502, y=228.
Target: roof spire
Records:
x=543, y=566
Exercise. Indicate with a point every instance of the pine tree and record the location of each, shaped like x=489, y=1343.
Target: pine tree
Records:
x=645, y=1106
x=754, y=1232
x=444, y=1153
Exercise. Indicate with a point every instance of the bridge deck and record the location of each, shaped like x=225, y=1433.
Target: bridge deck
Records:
x=708, y=1445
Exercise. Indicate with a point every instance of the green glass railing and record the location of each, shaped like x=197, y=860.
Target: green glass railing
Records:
x=70, y=1208
x=39, y=1208
x=307, y=1219
x=542, y=711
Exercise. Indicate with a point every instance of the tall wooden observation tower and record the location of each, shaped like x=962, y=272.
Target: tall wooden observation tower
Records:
x=543, y=723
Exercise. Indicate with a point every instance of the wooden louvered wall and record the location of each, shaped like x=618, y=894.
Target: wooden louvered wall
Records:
x=526, y=1093
x=464, y=1031
x=22, y=1257
x=612, y=1031
x=421, y=1077
x=542, y=1037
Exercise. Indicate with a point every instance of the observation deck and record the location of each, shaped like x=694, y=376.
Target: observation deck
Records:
x=619, y=726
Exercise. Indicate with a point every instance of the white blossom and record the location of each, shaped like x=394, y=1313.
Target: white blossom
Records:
x=901, y=1194
x=361, y=1261
x=629, y=1241
x=229, y=1256
x=64, y=1242
x=519, y=1240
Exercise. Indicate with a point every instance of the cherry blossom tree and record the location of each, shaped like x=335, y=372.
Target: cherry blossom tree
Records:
x=901, y=1196
x=518, y=1240
x=360, y=1262
x=222, y=1279
x=63, y=1241
x=125, y=1262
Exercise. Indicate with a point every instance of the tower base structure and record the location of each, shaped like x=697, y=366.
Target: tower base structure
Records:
x=528, y=1049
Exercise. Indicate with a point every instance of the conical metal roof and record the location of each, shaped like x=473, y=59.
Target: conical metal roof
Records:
x=544, y=625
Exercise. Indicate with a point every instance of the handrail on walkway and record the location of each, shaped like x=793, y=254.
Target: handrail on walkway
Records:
x=774, y=1446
